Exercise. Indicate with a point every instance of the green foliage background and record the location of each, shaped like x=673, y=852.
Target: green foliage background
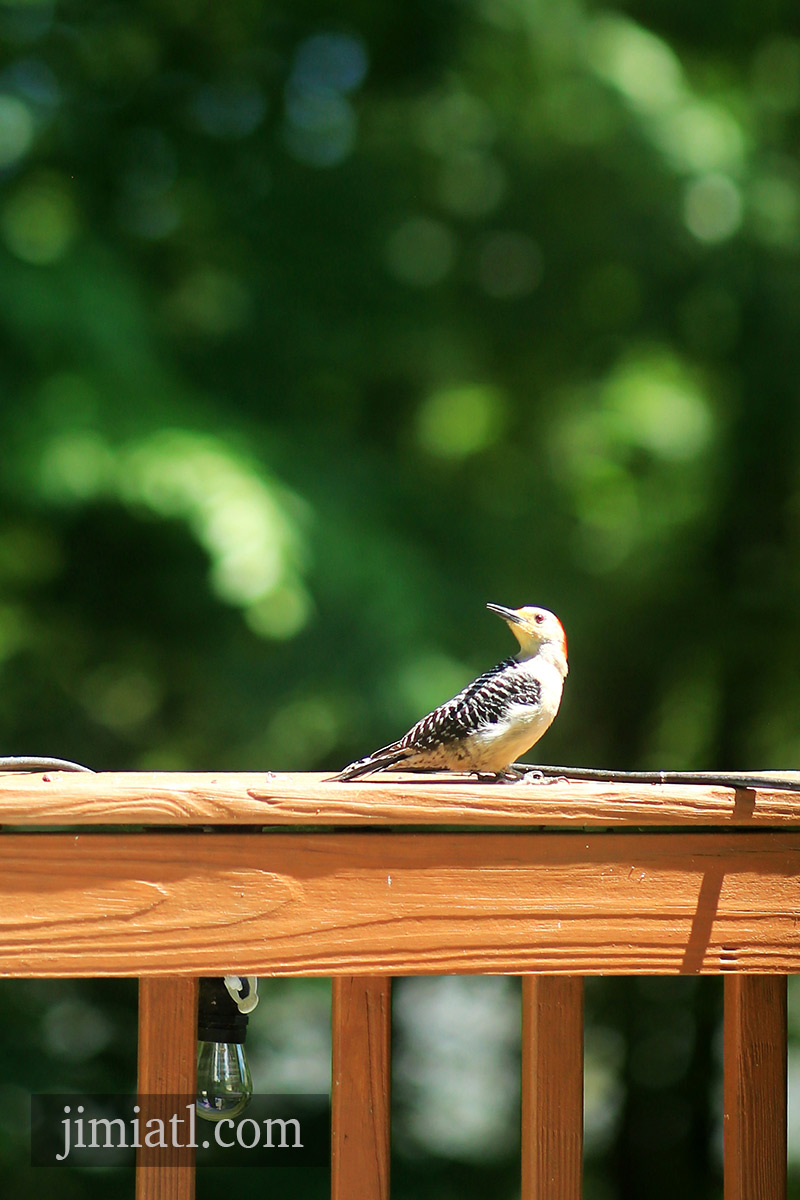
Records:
x=321, y=326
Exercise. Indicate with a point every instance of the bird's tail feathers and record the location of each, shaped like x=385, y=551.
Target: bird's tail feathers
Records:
x=380, y=761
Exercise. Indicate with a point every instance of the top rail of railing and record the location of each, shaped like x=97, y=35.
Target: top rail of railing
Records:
x=312, y=800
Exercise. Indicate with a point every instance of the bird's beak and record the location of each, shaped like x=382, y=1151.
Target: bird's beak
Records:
x=508, y=614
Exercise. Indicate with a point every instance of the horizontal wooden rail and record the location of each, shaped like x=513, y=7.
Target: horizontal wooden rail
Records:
x=166, y=798
x=396, y=903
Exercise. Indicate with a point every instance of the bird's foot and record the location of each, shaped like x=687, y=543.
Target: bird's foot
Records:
x=509, y=775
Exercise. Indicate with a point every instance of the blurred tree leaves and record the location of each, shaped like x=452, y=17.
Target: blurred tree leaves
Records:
x=321, y=327
x=471, y=317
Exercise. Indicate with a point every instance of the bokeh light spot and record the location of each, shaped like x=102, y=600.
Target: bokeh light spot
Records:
x=76, y=466
x=420, y=252
x=302, y=732
x=281, y=614
x=337, y=61
x=39, y=221
x=775, y=207
x=659, y=408
x=320, y=128
x=712, y=208
x=459, y=421
x=636, y=62
x=456, y=1067
x=230, y=108
x=630, y=454
x=239, y=515
x=579, y=111
x=34, y=81
x=151, y=217
x=16, y=130
x=120, y=696
x=509, y=265
x=210, y=301
x=428, y=679
x=76, y=1030
x=471, y=184
x=456, y=121
x=148, y=163
x=699, y=136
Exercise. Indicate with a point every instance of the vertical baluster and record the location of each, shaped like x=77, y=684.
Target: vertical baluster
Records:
x=552, y=1087
x=360, y=1093
x=755, y=1087
x=167, y=1075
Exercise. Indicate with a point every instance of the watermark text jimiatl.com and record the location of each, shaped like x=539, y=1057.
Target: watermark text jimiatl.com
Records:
x=281, y=1130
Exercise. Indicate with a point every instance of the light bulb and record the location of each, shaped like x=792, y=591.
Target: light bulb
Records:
x=224, y=1086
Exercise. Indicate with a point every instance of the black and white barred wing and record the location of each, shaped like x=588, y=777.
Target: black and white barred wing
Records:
x=482, y=703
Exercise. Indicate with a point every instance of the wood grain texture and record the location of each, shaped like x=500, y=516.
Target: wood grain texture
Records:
x=167, y=1055
x=393, y=903
x=165, y=798
x=755, y=1087
x=360, y=1088
x=552, y=1087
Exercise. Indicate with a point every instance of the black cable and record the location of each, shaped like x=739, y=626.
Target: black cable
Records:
x=732, y=779
x=21, y=762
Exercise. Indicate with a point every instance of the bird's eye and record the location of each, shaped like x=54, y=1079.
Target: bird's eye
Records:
x=539, y=618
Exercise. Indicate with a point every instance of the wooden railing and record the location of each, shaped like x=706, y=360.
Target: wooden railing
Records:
x=292, y=875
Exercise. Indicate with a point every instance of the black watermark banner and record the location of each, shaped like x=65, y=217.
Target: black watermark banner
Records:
x=278, y=1130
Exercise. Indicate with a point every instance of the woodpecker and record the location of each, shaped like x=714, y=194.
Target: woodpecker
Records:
x=496, y=718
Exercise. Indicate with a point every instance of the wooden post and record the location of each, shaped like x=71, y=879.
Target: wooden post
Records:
x=361, y=1088
x=755, y=1087
x=552, y=1087
x=167, y=1069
